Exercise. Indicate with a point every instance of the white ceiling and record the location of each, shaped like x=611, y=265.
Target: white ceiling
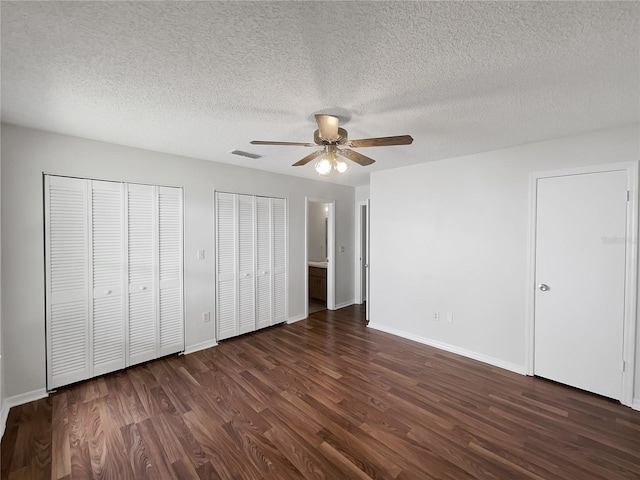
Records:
x=201, y=79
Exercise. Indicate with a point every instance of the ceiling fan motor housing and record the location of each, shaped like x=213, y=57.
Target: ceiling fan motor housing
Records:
x=341, y=140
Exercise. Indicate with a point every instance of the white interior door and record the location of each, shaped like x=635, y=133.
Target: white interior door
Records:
x=107, y=294
x=264, y=257
x=246, y=280
x=580, y=280
x=170, y=301
x=67, y=280
x=226, y=265
x=142, y=265
x=279, y=215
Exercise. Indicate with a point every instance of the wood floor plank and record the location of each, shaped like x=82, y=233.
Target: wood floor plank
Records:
x=325, y=398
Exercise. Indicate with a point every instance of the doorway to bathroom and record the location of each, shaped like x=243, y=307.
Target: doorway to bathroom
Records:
x=320, y=226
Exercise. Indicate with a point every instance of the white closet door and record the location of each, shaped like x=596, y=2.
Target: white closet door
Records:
x=170, y=270
x=67, y=280
x=279, y=260
x=226, y=265
x=264, y=256
x=143, y=336
x=107, y=247
x=246, y=280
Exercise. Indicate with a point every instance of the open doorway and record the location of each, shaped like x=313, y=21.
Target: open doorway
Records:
x=320, y=255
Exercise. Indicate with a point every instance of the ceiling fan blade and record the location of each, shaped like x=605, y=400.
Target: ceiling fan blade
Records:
x=328, y=126
x=308, y=158
x=382, y=141
x=294, y=144
x=356, y=157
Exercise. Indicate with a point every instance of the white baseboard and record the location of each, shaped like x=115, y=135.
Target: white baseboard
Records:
x=297, y=318
x=496, y=362
x=16, y=400
x=345, y=304
x=200, y=346
x=636, y=404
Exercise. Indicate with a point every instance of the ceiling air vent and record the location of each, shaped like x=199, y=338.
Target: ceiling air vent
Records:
x=245, y=154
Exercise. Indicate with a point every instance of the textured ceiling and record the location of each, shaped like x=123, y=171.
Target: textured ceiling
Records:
x=203, y=78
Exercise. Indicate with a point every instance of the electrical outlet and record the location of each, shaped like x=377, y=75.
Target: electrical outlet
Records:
x=450, y=317
x=341, y=249
x=206, y=317
x=200, y=254
x=436, y=317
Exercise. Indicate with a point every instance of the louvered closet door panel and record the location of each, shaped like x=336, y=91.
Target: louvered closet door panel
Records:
x=143, y=333
x=107, y=255
x=279, y=213
x=170, y=269
x=226, y=226
x=246, y=253
x=67, y=280
x=264, y=293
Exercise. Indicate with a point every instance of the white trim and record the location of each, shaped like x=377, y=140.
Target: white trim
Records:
x=636, y=404
x=16, y=400
x=631, y=280
x=348, y=303
x=200, y=346
x=4, y=413
x=496, y=362
x=297, y=318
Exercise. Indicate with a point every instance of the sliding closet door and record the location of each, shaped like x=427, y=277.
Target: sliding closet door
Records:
x=246, y=279
x=142, y=266
x=226, y=265
x=67, y=280
x=171, y=315
x=279, y=260
x=264, y=256
x=106, y=296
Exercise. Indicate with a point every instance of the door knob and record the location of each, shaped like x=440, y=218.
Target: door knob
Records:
x=543, y=287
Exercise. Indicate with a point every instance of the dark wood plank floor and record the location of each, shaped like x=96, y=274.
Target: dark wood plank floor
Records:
x=323, y=398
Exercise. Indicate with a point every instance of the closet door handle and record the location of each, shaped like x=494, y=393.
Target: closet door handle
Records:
x=143, y=288
x=107, y=292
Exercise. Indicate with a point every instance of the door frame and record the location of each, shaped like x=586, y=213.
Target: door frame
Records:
x=331, y=253
x=631, y=269
x=359, y=261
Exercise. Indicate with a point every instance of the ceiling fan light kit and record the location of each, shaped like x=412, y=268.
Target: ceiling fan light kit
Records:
x=331, y=163
x=329, y=135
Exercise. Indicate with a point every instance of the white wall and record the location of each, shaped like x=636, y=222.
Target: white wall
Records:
x=451, y=236
x=317, y=231
x=27, y=153
x=2, y=408
x=362, y=193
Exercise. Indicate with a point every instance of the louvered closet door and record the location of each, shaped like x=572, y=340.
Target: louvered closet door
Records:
x=226, y=265
x=264, y=256
x=246, y=252
x=143, y=337
x=171, y=317
x=107, y=248
x=279, y=213
x=67, y=280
